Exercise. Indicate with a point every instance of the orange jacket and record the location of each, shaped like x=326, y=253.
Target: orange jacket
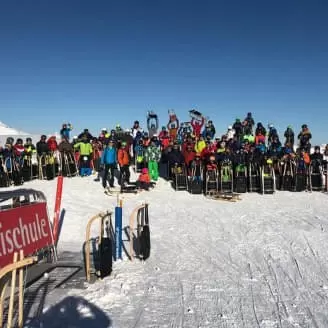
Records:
x=144, y=178
x=306, y=158
x=123, y=157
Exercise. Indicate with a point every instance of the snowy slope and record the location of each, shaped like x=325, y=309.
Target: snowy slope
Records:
x=261, y=262
x=6, y=131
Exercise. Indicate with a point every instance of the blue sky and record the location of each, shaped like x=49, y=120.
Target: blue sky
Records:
x=99, y=63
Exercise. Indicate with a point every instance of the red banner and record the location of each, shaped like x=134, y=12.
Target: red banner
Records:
x=27, y=228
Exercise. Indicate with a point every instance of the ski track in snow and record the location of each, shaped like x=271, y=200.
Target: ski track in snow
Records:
x=260, y=262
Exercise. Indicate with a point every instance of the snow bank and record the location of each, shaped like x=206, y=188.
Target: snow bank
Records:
x=260, y=262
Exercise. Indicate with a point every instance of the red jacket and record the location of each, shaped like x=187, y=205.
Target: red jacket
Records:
x=211, y=166
x=165, y=142
x=197, y=126
x=52, y=144
x=188, y=157
x=144, y=178
x=207, y=152
x=259, y=139
x=19, y=149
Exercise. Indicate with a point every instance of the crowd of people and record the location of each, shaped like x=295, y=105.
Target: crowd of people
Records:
x=190, y=148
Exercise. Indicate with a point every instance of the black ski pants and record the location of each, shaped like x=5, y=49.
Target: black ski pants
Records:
x=109, y=168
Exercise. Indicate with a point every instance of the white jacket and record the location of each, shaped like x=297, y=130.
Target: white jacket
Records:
x=231, y=134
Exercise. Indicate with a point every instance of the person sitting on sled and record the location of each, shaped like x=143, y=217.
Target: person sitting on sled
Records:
x=143, y=182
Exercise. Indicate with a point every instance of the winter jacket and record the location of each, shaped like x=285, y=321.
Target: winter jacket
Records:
x=304, y=136
x=123, y=157
x=289, y=135
x=19, y=150
x=144, y=177
x=260, y=138
x=65, y=147
x=108, y=156
x=211, y=167
x=165, y=142
x=272, y=134
x=135, y=132
x=65, y=132
x=275, y=149
x=52, y=144
x=139, y=150
x=200, y=145
x=230, y=134
x=84, y=147
x=197, y=126
x=188, y=156
x=175, y=156
x=250, y=138
x=87, y=134
x=42, y=148
x=208, y=132
x=29, y=149
x=153, y=154
x=260, y=129
x=238, y=127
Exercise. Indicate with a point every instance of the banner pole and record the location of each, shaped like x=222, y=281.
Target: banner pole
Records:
x=59, y=193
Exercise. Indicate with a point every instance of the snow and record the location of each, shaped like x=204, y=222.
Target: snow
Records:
x=261, y=262
x=7, y=131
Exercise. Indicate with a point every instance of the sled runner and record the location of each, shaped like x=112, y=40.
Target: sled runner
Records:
x=315, y=176
x=254, y=178
x=196, y=182
x=288, y=177
x=211, y=181
x=226, y=177
x=240, y=180
x=302, y=177
x=144, y=233
x=68, y=165
x=4, y=178
x=180, y=178
x=268, y=180
x=226, y=196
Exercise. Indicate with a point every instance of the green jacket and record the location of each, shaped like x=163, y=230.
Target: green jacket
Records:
x=153, y=154
x=84, y=147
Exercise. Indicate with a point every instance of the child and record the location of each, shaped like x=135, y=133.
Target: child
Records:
x=143, y=182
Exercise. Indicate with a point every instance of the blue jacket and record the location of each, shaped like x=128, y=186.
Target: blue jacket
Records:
x=109, y=156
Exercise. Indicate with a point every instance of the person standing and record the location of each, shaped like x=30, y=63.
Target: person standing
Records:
x=109, y=163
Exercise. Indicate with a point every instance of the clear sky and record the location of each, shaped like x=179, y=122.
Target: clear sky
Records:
x=99, y=63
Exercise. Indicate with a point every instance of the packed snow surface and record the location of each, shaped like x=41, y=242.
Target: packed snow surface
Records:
x=261, y=262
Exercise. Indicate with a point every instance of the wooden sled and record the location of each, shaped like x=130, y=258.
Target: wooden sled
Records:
x=226, y=196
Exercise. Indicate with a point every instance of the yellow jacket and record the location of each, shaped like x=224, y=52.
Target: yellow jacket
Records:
x=199, y=146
